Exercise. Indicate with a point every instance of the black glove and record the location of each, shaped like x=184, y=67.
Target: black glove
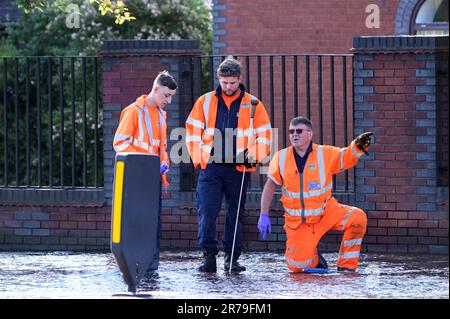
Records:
x=363, y=141
x=248, y=162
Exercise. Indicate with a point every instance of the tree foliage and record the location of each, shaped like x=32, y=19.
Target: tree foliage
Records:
x=117, y=8
x=46, y=31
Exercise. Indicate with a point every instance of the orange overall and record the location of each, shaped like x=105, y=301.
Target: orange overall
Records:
x=311, y=210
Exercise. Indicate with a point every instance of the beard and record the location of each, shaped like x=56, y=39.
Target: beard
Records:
x=229, y=92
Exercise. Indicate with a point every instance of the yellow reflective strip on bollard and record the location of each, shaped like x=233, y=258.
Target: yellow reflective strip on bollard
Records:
x=117, y=215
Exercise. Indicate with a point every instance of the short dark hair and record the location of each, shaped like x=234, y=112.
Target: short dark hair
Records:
x=229, y=67
x=301, y=120
x=165, y=79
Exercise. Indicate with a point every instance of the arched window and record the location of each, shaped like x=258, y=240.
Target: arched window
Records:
x=430, y=18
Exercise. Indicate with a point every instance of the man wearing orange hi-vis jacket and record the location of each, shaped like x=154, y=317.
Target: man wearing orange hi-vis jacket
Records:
x=143, y=129
x=305, y=172
x=227, y=132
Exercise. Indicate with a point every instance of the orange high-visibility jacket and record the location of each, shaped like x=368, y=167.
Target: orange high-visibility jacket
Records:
x=143, y=129
x=305, y=196
x=201, y=123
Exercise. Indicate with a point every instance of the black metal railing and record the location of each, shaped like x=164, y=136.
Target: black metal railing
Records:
x=51, y=130
x=317, y=86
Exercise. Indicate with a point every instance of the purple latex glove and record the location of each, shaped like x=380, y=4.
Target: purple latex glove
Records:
x=264, y=225
x=164, y=167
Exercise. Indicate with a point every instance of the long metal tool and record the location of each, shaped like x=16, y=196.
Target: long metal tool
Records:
x=254, y=102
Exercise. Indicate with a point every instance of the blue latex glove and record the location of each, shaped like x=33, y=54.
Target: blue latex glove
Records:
x=264, y=225
x=164, y=167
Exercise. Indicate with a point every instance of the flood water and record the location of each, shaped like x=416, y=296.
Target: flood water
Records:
x=96, y=275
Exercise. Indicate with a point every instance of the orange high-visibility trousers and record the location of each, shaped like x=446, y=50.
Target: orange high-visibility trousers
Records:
x=303, y=238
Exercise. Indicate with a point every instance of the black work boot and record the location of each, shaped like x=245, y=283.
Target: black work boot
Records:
x=209, y=262
x=151, y=274
x=235, y=267
x=322, y=262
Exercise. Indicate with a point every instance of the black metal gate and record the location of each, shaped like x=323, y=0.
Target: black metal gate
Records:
x=51, y=131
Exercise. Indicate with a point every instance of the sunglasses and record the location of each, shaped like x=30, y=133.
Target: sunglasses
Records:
x=297, y=130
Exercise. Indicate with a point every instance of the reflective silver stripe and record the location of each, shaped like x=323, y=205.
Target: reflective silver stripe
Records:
x=148, y=123
x=209, y=131
x=262, y=128
x=353, y=242
x=191, y=138
x=143, y=145
x=262, y=140
x=344, y=221
x=273, y=179
x=308, y=212
x=121, y=137
x=140, y=124
x=161, y=117
x=290, y=194
x=321, y=166
x=206, y=103
x=342, y=152
x=120, y=148
x=206, y=148
x=350, y=254
x=299, y=264
x=239, y=150
x=355, y=153
x=281, y=161
x=195, y=123
x=242, y=133
x=308, y=194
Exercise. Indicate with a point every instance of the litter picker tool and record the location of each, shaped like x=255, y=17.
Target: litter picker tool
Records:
x=254, y=102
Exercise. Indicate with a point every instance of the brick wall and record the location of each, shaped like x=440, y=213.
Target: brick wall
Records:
x=54, y=228
x=442, y=76
x=395, y=98
x=293, y=26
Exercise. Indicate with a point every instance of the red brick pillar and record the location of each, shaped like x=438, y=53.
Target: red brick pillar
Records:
x=395, y=98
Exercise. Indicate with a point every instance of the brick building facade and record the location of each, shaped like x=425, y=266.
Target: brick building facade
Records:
x=395, y=97
x=293, y=27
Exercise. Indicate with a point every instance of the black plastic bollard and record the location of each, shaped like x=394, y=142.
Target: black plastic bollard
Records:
x=135, y=210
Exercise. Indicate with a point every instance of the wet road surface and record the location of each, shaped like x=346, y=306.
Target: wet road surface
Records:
x=96, y=275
